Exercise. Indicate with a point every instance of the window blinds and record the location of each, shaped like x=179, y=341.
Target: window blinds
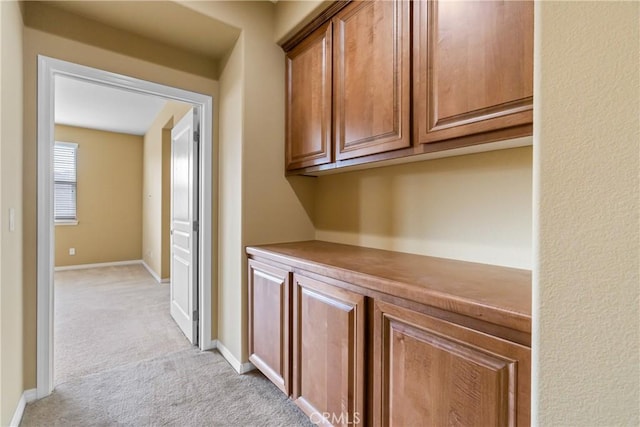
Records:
x=65, y=183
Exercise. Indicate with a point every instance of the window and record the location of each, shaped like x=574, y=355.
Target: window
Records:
x=65, y=183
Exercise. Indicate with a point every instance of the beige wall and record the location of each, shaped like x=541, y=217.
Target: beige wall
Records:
x=291, y=16
x=475, y=208
x=109, y=198
x=586, y=276
x=11, y=140
x=154, y=204
x=39, y=42
x=60, y=22
x=269, y=209
x=166, y=202
x=230, y=192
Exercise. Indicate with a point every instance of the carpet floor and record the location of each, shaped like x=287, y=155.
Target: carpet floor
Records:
x=110, y=316
x=121, y=360
x=186, y=388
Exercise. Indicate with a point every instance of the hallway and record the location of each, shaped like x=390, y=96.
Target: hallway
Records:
x=121, y=360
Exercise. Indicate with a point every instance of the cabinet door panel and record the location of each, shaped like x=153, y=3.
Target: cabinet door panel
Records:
x=430, y=372
x=328, y=352
x=473, y=67
x=371, y=78
x=308, y=115
x=269, y=322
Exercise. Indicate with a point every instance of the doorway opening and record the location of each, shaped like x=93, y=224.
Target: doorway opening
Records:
x=191, y=222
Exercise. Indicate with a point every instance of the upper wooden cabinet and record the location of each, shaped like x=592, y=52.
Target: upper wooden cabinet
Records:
x=371, y=68
x=376, y=80
x=308, y=115
x=473, y=68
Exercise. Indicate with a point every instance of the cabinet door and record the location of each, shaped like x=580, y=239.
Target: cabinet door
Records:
x=269, y=322
x=328, y=352
x=308, y=105
x=434, y=373
x=473, y=67
x=371, y=78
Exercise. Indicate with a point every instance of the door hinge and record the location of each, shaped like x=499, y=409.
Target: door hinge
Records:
x=196, y=135
x=196, y=226
x=195, y=315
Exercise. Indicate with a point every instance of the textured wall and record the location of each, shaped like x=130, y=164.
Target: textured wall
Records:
x=587, y=121
x=109, y=198
x=11, y=140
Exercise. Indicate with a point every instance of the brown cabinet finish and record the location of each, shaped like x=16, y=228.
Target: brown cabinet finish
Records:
x=431, y=372
x=457, y=73
x=385, y=338
x=308, y=106
x=488, y=293
x=371, y=97
x=328, y=352
x=269, y=322
x=473, y=68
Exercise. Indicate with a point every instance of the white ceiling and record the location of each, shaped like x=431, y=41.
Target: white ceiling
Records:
x=93, y=106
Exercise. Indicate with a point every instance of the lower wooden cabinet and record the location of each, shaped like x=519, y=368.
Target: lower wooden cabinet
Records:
x=328, y=352
x=269, y=322
x=357, y=336
x=431, y=372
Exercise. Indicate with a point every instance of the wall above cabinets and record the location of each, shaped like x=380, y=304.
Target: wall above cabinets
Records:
x=369, y=82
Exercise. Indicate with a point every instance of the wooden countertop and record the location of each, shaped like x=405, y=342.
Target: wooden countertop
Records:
x=498, y=295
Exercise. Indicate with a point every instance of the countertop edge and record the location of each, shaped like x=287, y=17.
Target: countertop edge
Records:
x=468, y=307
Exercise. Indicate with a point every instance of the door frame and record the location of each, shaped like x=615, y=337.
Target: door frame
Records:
x=48, y=68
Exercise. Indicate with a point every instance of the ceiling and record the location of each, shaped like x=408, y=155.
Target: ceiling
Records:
x=94, y=106
x=164, y=21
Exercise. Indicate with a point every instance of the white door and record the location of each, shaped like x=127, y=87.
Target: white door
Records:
x=184, y=224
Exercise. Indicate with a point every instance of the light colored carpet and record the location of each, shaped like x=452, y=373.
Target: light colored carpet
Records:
x=121, y=360
x=186, y=388
x=110, y=316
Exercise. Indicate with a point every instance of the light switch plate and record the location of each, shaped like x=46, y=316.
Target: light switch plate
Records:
x=12, y=219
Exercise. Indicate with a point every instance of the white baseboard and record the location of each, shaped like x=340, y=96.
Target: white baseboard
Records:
x=211, y=345
x=241, y=368
x=98, y=265
x=153, y=273
x=27, y=396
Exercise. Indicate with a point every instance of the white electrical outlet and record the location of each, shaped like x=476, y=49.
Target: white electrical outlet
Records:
x=72, y=251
